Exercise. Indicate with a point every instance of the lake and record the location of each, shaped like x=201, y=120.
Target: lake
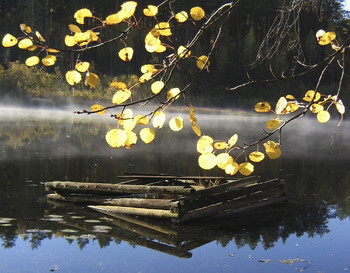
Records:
x=310, y=234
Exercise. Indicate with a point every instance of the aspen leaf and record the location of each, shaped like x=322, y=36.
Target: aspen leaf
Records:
x=129, y=124
x=32, y=48
x=40, y=37
x=272, y=149
x=340, y=107
x=128, y=9
x=201, y=61
x=173, y=93
x=232, y=141
x=80, y=37
x=290, y=108
x=70, y=41
x=25, y=43
x=82, y=66
x=205, y=145
x=181, y=17
x=160, y=49
x=197, y=13
x=323, y=116
x=281, y=104
x=74, y=28
x=147, y=135
x=25, y=28
x=163, y=29
x=32, y=61
x=192, y=115
x=150, y=11
x=92, y=80
x=121, y=96
x=319, y=34
x=316, y=108
x=142, y=120
x=310, y=95
x=157, y=86
x=246, y=168
x=52, y=50
x=49, y=60
x=116, y=138
x=223, y=160
x=176, y=124
x=207, y=161
x=128, y=113
x=256, y=156
x=73, y=77
x=118, y=85
x=148, y=68
x=126, y=54
x=326, y=39
x=152, y=41
x=221, y=145
x=131, y=139
x=99, y=109
x=158, y=119
x=196, y=129
x=146, y=77
x=231, y=168
x=272, y=124
x=114, y=19
x=9, y=40
x=93, y=36
x=290, y=97
x=81, y=14
x=183, y=52
x=262, y=107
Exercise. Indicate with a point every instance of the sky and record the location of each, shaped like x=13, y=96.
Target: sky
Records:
x=347, y=5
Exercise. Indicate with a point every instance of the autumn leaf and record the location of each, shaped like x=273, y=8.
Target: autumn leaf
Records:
x=9, y=40
x=92, y=80
x=81, y=14
x=197, y=13
x=99, y=109
x=262, y=107
x=207, y=161
x=150, y=11
x=49, y=60
x=116, y=138
x=32, y=61
x=73, y=77
x=176, y=124
x=147, y=135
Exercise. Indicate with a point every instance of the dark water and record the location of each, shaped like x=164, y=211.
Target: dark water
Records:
x=310, y=234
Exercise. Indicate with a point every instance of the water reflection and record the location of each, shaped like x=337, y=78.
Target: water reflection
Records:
x=50, y=145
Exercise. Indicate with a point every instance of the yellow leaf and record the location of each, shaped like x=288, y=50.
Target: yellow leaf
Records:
x=323, y=116
x=207, y=161
x=25, y=43
x=281, y=104
x=223, y=160
x=129, y=124
x=232, y=141
x=82, y=66
x=160, y=49
x=40, y=37
x=173, y=93
x=142, y=120
x=205, y=145
x=80, y=37
x=81, y=14
x=32, y=61
x=340, y=107
x=114, y=19
x=74, y=28
x=272, y=149
x=116, y=138
x=246, y=168
x=118, y=85
x=231, y=168
x=163, y=29
x=272, y=124
x=70, y=41
x=25, y=28
x=9, y=40
x=121, y=96
x=32, y=48
x=310, y=95
x=158, y=119
x=147, y=135
x=53, y=50
x=196, y=129
x=256, y=156
x=221, y=145
x=183, y=52
x=192, y=115
x=146, y=77
x=92, y=80
x=152, y=41
x=327, y=38
x=176, y=124
x=93, y=36
x=131, y=139
x=99, y=109
x=316, y=108
x=150, y=11
x=201, y=61
x=148, y=68
x=157, y=86
x=290, y=97
x=197, y=13
x=290, y=108
x=73, y=77
x=49, y=60
x=262, y=107
x=128, y=9
x=126, y=54
x=181, y=17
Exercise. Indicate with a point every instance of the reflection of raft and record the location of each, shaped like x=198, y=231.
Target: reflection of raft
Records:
x=174, y=197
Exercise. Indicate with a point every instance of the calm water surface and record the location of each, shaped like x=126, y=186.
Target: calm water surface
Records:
x=310, y=234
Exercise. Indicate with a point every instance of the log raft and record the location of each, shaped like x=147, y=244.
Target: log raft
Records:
x=179, y=198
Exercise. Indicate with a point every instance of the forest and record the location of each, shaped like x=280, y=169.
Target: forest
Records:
x=238, y=51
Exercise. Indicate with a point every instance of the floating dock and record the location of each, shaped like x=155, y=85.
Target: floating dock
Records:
x=179, y=198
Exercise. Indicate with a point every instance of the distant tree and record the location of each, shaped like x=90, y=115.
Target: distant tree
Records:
x=181, y=42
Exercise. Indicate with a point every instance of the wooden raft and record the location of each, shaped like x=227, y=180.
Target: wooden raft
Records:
x=178, y=198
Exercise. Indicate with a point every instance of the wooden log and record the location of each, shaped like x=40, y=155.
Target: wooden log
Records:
x=137, y=211
x=103, y=188
x=124, y=202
